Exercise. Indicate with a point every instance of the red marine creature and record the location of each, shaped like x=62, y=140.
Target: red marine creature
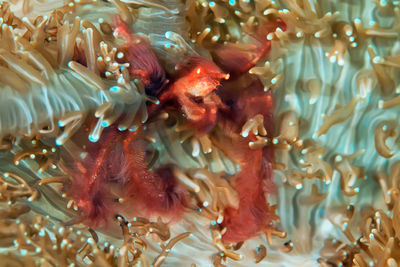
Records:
x=143, y=63
x=155, y=192
x=91, y=176
x=118, y=162
x=237, y=59
x=205, y=94
x=195, y=91
x=115, y=170
x=254, y=180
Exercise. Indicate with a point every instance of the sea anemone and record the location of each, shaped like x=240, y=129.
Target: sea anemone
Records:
x=199, y=132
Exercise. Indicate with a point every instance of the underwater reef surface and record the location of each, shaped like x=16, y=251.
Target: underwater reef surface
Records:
x=198, y=133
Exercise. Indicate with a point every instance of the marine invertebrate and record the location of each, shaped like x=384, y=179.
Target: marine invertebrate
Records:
x=194, y=91
x=143, y=63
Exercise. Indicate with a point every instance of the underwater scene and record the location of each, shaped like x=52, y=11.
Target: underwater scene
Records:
x=200, y=133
